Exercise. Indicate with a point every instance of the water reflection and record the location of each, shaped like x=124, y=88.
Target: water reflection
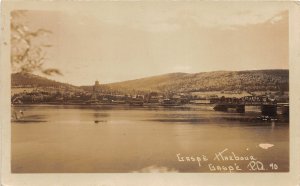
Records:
x=129, y=139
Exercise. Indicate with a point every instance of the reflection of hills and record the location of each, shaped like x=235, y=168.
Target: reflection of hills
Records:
x=211, y=81
x=259, y=80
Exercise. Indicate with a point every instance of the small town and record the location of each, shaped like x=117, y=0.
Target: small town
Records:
x=148, y=87
x=223, y=102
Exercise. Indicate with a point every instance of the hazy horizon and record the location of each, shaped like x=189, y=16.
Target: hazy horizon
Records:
x=113, y=42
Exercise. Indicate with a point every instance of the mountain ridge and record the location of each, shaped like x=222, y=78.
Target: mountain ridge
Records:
x=28, y=79
x=249, y=80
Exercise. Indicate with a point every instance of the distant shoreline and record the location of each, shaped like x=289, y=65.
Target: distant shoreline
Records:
x=106, y=104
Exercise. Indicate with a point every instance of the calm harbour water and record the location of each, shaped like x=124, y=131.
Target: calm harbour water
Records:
x=56, y=139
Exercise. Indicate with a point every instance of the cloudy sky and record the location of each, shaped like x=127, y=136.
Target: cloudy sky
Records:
x=116, y=41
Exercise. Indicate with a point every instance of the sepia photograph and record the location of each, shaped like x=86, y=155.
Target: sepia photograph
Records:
x=149, y=92
x=152, y=87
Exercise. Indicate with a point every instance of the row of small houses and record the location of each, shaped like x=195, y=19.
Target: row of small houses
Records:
x=88, y=97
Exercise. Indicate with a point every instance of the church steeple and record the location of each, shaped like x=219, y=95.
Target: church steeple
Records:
x=96, y=87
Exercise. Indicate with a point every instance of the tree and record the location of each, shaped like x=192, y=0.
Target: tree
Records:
x=28, y=52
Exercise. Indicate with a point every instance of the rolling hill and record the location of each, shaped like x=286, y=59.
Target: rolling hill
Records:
x=253, y=80
x=31, y=80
